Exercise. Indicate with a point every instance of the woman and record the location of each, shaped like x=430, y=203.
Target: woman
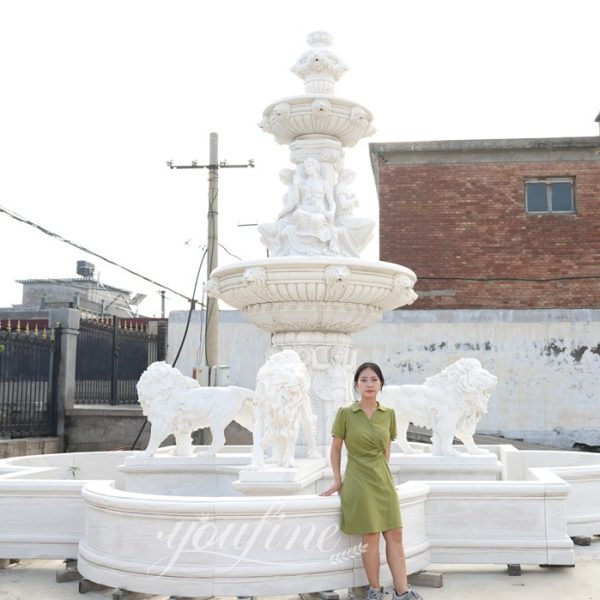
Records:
x=368, y=495
x=314, y=218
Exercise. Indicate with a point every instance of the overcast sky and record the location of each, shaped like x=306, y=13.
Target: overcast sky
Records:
x=97, y=95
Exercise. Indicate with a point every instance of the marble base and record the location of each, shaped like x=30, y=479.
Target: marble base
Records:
x=525, y=519
x=171, y=475
x=274, y=480
x=425, y=467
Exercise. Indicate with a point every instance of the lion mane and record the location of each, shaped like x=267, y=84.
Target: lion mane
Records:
x=450, y=403
x=282, y=406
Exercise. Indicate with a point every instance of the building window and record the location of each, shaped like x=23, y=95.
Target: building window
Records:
x=550, y=195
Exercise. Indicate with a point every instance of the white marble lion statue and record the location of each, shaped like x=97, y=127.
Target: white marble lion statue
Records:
x=177, y=404
x=450, y=403
x=281, y=407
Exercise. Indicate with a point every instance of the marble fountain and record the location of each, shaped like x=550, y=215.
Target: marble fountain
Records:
x=223, y=521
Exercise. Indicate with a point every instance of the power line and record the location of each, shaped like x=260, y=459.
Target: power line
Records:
x=211, y=350
x=17, y=217
x=185, y=332
x=529, y=279
x=230, y=253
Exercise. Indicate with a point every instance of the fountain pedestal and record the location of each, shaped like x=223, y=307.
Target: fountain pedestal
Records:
x=464, y=467
x=312, y=305
x=208, y=475
x=280, y=481
x=198, y=475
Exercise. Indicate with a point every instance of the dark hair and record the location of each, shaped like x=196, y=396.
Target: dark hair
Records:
x=373, y=367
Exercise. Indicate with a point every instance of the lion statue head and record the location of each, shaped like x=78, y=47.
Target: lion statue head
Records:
x=158, y=386
x=472, y=384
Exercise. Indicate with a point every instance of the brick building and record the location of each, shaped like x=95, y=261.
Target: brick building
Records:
x=503, y=224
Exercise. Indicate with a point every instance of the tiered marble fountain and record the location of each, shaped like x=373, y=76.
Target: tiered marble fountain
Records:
x=181, y=525
x=313, y=291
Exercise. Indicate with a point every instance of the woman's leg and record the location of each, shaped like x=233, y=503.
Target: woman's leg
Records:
x=370, y=558
x=394, y=553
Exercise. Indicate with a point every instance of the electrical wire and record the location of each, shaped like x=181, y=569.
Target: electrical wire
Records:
x=529, y=279
x=189, y=317
x=230, y=253
x=185, y=332
x=17, y=217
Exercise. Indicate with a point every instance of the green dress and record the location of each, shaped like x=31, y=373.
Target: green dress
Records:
x=368, y=495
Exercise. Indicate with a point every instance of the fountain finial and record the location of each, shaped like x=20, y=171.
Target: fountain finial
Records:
x=319, y=38
x=319, y=67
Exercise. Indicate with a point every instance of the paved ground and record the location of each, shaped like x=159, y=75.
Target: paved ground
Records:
x=35, y=580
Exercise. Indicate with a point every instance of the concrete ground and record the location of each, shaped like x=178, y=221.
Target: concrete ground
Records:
x=36, y=580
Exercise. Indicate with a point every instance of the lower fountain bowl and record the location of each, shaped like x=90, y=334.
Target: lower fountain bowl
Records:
x=318, y=293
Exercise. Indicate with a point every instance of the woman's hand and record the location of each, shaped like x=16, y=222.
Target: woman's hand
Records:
x=336, y=458
x=336, y=487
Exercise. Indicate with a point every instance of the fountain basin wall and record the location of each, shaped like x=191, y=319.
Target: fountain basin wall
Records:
x=70, y=466
x=228, y=546
x=286, y=544
x=500, y=522
x=581, y=470
x=527, y=519
x=41, y=506
x=423, y=466
x=40, y=518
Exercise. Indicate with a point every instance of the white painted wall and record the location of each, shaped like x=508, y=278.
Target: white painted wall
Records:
x=547, y=361
x=242, y=346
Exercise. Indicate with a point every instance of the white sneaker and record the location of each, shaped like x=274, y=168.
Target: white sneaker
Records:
x=374, y=594
x=410, y=594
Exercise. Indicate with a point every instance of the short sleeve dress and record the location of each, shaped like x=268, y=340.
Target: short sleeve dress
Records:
x=368, y=495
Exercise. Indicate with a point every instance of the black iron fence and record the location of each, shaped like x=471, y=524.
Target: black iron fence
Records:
x=29, y=360
x=111, y=356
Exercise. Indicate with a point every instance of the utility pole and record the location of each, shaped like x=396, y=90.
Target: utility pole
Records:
x=162, y=303
x=212, y=255
x=212, y=304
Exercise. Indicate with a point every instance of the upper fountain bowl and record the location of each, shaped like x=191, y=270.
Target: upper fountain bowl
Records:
x=318, y=114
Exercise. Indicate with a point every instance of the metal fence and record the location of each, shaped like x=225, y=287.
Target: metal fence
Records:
x=29, y=360
x=111, y=356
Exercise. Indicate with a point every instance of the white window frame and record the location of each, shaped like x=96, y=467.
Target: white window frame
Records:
x=549, y=181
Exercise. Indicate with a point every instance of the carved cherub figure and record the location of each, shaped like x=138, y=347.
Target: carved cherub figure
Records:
x=334, y=382
x=271, y=234
x=353, y=233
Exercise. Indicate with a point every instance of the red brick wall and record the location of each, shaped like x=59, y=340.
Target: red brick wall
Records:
x=469, y=221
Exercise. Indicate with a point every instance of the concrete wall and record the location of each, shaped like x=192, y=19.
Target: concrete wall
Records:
x=29, y=446
x=242, y=346
x=547, y=362
x=93, y=428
